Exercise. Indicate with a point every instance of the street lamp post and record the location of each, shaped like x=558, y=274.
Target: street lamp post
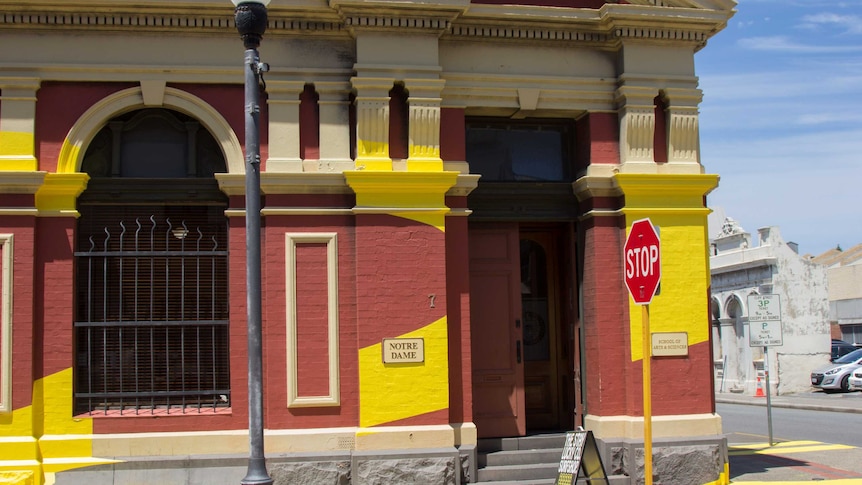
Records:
x=251, y=19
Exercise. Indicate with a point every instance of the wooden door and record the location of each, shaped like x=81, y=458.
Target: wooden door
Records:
x=543, y=366
x=495, y=323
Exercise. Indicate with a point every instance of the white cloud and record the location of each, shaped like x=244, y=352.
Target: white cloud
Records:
x=850, y=24
x=781, y=43
x=808, y=95
x=803, y=84
x=829, y=117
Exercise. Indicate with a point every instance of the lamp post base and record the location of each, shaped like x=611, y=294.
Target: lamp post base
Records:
x=257, y=474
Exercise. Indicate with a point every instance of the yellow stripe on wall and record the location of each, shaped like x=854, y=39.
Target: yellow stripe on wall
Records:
x=45, y=437
x=392, y=392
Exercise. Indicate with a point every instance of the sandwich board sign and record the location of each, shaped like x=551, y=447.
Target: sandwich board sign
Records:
x=580, y=453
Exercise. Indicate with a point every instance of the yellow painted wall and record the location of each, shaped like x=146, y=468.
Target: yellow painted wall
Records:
x=44, y=438
x=388, y=392
x=674, y=204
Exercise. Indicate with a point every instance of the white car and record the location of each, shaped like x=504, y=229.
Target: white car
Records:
x=836, y=376
x=855, y=381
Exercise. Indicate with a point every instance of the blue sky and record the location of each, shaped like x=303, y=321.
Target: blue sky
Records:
x=781, y=120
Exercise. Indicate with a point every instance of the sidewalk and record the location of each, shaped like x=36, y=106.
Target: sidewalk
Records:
x=795, y=462
x=842, y=402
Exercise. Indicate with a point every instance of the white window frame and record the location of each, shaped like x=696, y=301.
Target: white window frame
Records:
x=6, y=324
x=292, y=240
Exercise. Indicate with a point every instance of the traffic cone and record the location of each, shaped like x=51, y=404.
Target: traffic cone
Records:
x=759, y=392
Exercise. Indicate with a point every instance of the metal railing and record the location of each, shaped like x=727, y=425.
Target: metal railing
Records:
x=151, y=326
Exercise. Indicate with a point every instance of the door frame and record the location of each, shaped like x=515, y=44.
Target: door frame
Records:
x=560, y=238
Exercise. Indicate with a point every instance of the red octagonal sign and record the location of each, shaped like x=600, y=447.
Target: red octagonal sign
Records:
x=642, y=257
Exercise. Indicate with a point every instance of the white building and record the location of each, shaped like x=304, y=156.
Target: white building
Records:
x=773, y=266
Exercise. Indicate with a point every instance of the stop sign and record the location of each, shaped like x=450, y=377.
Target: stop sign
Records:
x=642, y=257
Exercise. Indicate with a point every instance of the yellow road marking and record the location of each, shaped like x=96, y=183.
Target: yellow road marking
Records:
x=841, y=481
x=782, y=448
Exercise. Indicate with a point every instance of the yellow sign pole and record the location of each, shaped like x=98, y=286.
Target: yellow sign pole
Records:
x=647, y=356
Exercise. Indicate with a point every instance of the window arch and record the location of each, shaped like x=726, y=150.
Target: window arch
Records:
x=93, y=120
x=715, y=309
x=152, y=313
x=733, y=307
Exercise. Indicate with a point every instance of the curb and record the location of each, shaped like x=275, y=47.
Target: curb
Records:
x=790, y=405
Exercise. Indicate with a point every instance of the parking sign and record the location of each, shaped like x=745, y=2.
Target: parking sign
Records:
x=764, y=321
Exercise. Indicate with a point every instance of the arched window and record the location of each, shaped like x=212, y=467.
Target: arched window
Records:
x=715, y=309
x=733, y=308
x=152, y=313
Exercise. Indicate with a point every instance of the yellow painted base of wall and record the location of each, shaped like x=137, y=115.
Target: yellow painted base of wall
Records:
x=17, y=478
x=724, y=478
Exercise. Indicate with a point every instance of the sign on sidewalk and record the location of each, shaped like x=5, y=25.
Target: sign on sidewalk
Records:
x=764, y=321
x=580, y=453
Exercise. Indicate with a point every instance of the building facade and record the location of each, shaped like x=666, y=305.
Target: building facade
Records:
x=773, y=266
x=447, y=187
x=844, y=276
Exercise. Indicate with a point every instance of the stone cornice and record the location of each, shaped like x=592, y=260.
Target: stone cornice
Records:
x=701, y=4
x=673, y=21
x=155, y=17
x=407, y=17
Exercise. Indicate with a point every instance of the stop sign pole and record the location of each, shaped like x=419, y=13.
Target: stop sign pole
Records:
x=642, y=258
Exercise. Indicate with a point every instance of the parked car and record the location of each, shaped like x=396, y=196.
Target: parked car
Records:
x=855, y=381
x=836, y=376
x=840, y=348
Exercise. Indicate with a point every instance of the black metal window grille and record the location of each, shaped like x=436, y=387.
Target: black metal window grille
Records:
x=151, y=324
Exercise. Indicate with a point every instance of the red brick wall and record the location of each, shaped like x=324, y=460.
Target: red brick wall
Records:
x=311, y=296
x=58, y=106
x=683, y=385
x=598, y=139
x=606, y=320
x=54, y=298
x=309, y=124
x=23, y=230
x=398, y=264
x=453, y=135
x=458, y=316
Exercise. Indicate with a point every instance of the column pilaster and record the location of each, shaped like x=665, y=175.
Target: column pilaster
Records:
x=334, y=108
x=683, y=125
x=18, y=124
x=424, y=124
x=637, y=128
x=283, y=106
x=372, y=123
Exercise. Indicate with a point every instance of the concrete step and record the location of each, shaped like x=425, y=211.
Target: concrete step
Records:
x=549, y=481
x=535, y=471
x=532, y=442
x=613, y=480
x=520, y=457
